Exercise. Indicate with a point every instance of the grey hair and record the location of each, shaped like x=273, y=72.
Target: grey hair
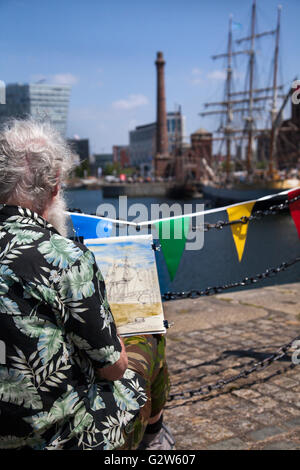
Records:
x=33, y=159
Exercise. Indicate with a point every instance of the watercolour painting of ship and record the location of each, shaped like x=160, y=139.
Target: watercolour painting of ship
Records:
x=129, y=270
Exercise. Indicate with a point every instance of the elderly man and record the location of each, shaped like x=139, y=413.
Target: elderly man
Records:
x=68, y=381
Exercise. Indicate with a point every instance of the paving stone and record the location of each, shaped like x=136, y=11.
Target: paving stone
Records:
x=291, y=411
x=264, y=433
x=286, y=396
x=229, y=444
x=238, y=425
x=268, y=389
x=286, y=382
x=267, y=418
x=261, y=411
x=247, y=394
x=281, y=445
x=293, y=423
x=265, y=402
x=214, y=432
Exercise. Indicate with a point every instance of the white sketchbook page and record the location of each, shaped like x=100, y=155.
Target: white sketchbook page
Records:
x=129, y=269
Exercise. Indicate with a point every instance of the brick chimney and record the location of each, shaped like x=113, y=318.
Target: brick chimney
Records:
x=161, y=116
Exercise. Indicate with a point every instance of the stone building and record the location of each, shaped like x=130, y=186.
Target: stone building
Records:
x=121, y=155
x=189, y=164
x=288, y=141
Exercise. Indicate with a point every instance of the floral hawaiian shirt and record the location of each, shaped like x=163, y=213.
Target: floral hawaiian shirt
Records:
x=56, y=327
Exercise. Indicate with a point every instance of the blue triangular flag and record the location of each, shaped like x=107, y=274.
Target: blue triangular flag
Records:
x=91, y=227
x=236, y=26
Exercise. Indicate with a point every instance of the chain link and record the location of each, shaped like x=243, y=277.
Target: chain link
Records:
x=272, y=210
x=270, y=272
x=193, y=294
x=208, y=388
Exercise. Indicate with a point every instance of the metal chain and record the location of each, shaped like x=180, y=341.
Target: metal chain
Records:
x=208, y=388
x=193, y=294
x=272, y=210
x=276, y=208
x=220, y=384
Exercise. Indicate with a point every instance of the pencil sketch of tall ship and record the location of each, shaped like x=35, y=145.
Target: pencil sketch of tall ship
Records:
x=126, y=284
x=129, y=270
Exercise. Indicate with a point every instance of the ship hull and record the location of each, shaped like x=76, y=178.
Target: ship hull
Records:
x=227, y=196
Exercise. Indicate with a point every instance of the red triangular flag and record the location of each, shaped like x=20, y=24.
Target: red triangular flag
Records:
x=295, y=208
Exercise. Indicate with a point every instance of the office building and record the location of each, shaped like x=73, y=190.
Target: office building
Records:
x=39, y=100
x=81, y=148
x=142, y=142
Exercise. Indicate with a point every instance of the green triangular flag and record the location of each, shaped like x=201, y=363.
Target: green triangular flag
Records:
x=172, y=236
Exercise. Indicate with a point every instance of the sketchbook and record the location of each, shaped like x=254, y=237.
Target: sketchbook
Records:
x=129, y=270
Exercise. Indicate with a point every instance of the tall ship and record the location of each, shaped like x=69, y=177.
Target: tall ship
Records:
x=262, y=153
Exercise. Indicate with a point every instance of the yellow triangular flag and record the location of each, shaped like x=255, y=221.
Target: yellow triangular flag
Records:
x=239, y=231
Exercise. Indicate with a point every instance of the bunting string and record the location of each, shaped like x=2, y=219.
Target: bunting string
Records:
x=173, y=231
x=296, y=192
x=256, y=215
x=239, y=216
x=272, y=210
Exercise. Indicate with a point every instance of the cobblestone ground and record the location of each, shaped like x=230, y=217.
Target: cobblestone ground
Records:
x=260, y=412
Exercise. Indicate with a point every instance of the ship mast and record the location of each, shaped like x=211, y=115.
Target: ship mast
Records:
x=251, y=96
x=251, y=77
x=229, y=106
x=274, y=103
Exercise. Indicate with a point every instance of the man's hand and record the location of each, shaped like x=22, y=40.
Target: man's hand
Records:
x=115, y=371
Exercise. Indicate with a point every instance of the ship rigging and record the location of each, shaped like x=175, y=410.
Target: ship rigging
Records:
x=247, y=102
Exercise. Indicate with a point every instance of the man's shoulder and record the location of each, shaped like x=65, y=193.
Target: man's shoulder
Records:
x=31, y=248
x=59, y=251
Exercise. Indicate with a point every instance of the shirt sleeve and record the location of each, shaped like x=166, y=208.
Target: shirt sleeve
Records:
x=89, y=322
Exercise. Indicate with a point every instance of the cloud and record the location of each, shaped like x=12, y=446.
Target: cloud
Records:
x=217, y=75
x=197, y=76
x=133, y=101
x=64, y=79
x=196, y=71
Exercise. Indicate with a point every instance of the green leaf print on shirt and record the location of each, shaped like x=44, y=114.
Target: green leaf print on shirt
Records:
x=77, y=283
x=50, y=336
x=18, y=389
x=26, y=236
x=9, y=306
x=59, y=251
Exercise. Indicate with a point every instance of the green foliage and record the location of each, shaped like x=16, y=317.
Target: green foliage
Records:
x=223, y=166
x=116, y=169
x=83, y=169
x=261, y=165
x=112, y=169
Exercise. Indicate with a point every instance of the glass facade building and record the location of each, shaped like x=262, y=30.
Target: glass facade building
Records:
x=39, y=100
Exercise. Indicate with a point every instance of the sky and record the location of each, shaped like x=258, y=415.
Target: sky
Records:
x=139, y=253
x=106, y=50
